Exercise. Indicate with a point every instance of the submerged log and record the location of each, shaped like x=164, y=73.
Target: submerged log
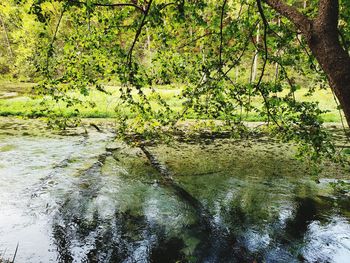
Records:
x=219, y=245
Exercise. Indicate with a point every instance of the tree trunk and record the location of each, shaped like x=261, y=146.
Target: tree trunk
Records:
x=322, y=37
x=335, y=62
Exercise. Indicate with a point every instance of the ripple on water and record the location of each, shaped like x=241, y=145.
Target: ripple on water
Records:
x=31, y=178
x=328, y=242
x=63, y=203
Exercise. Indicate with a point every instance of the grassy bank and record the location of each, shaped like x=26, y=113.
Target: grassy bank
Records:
x=16, y=99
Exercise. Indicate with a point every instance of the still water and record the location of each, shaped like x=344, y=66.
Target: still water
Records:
x=85, y=198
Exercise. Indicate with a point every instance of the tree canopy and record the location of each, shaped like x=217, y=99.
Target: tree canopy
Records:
x=230, y=57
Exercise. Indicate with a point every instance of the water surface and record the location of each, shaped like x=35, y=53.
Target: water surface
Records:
x=84, y=198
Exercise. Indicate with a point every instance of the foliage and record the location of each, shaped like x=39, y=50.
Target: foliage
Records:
x=215, y=50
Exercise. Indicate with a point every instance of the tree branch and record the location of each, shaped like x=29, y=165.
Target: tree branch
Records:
x=257, y=86
x=196, y=39
x=302, y=22
x=221, y=33
x=112, y=5
x=139, y=32
x=266, y=25
x=51, y=47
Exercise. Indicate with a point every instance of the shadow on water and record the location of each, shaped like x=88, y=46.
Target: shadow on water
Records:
x=162, y=221
x=116, y=240
x=307, y=210
x=217, y=244
x=82, y=235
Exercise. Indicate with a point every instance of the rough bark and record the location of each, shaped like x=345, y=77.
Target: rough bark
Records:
x=322, y=37
x=302, y=22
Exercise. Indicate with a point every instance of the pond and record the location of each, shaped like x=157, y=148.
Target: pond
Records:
x=84, y=197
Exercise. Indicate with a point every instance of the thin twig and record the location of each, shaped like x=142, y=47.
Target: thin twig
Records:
x=112, y=5
x=343, y=40
x=168, y=4
x=257, y=86
x=197, y=38
x=14, y=256
x=138, y=32
x=7, y=36
x=307, y=53
x=53, y=41
x=240, y=11
x=221, y=34
x=341, y=115
x=235, y=62
x=265, y=41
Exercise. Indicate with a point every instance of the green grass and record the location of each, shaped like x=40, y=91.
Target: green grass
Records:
x=326, y=101
x=16, y=100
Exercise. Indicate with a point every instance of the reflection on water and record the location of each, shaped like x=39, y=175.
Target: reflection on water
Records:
x=65, y=199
